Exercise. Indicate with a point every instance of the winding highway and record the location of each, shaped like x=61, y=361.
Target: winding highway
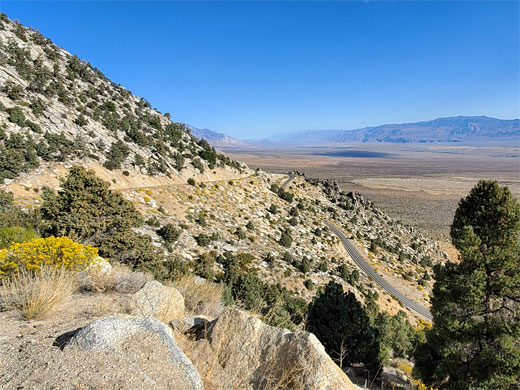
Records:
x=288, y=181
x=369, y=271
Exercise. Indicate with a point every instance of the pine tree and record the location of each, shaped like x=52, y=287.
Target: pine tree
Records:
x=475, y=341
x=342, y=325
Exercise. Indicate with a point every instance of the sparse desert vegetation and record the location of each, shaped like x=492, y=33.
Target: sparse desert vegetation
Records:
x=133, y=255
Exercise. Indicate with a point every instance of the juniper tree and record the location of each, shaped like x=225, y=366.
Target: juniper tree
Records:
x=342, y=325
x=475, y=341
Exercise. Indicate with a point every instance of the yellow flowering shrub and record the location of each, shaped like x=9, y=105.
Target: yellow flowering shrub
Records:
x=54, y=251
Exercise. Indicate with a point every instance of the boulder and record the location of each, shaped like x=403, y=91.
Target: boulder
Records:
x=157, y=300
x=262, y=356
x=191, y=323
x=109, y=335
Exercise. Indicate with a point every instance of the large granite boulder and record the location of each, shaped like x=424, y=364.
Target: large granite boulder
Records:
x=157, y=300
x=147, y=341
x=262, y=356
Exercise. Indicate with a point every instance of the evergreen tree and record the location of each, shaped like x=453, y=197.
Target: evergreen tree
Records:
x=343, y=327
x=86, y=210
x=475, y=340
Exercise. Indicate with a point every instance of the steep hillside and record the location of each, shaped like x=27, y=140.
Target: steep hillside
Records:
x=461, y=129
x=55, y=107
x=200, y=211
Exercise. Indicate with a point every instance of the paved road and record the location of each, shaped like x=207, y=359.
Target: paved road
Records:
x=288, y=181
x=185, y=184
x=367, y=269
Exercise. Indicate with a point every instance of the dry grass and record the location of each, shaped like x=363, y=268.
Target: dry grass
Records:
x=203, y=298
x=119, y=278
x=35, y=295
x=168, y=310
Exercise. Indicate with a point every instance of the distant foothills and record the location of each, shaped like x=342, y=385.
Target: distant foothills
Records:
x=466, y=130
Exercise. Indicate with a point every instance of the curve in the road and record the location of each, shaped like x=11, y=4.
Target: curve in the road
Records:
x=368, y=270
x=288, y=181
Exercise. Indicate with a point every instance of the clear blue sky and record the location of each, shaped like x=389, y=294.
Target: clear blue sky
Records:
x=253, y=69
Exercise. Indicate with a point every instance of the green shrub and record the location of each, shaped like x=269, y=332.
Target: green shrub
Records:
x=169, y=233
x=153, y=221
x=129, y=247
x=273, y=209
x=287, y=196
x=202, y=239
x=167, y=270
x=81, y=120
x=323, y=267
x=240, y=234
x=197, y=164
x=13, y=215
x=288, y=258
x=86, y=210
x=116, y=156
x=14, y=234
x=16, y=116
x=285, y=240
x=305, y=265
x=33, y=126
x=191, y=181
x=204, y=265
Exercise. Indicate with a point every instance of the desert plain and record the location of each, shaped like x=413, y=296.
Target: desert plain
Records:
x=418, y=184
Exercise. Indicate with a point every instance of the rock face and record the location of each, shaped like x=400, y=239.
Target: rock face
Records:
x=255, y=355
x=109, y=333
x=157, y=300
x=192, y=322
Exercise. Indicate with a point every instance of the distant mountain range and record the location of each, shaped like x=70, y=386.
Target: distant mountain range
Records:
x=214, y=138
x=460, y=129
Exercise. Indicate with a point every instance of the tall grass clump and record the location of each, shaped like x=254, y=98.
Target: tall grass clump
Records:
x=200, y=297
x=37, y=293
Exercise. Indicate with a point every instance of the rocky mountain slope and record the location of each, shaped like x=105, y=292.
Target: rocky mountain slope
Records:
x=171, y=205
x=460, y=130
x=55, y=107
x=58, y=111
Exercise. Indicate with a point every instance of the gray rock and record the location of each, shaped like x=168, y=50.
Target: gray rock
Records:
x=190, y=323
x=107, y=333
x=157, y=300
x=264, y=356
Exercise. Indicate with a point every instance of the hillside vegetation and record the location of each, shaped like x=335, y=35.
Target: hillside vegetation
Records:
x=55, y=107
x=88, y=169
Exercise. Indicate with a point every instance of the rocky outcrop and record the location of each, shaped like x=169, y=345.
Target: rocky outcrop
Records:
x=109, y=333
x=157, y=300
x=257, y=356
x=191, y=323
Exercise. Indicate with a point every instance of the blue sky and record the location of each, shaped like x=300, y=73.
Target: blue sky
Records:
x=253, y=69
